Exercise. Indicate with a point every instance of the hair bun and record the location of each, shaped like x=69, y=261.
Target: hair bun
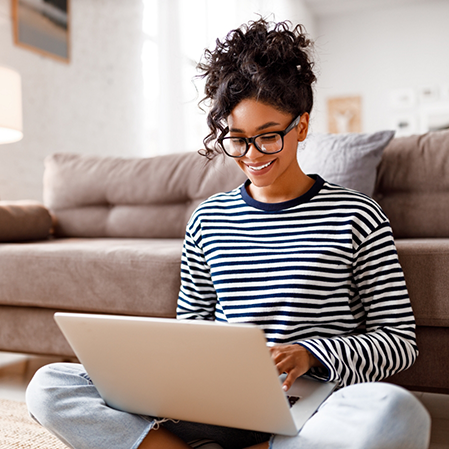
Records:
x=267, y=61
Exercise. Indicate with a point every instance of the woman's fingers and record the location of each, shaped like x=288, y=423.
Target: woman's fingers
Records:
x=293, y=360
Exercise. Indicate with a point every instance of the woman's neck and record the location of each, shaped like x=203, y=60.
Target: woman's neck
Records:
x=281, y=193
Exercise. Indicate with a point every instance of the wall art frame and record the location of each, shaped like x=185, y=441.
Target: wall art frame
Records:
x=43, y=26
x=344, y=114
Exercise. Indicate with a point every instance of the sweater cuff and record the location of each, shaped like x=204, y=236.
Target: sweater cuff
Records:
x=327, y=372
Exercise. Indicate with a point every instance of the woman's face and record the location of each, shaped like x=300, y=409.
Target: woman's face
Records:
x=274, y=177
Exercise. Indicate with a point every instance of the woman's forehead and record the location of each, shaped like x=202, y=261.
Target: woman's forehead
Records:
x=255, y=115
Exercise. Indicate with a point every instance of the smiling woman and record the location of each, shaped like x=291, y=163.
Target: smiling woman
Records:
x=311, y=263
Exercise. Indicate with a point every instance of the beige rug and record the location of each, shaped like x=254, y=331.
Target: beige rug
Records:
x=19, y=431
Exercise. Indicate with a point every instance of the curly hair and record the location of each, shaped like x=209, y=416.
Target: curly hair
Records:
x=260, y=60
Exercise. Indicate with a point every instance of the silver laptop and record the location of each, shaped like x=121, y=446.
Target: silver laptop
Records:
x=200, y=371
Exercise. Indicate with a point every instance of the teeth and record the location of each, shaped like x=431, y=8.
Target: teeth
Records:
x=261, y=167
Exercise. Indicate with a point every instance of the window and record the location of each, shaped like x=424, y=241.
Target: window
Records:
x=176, y=32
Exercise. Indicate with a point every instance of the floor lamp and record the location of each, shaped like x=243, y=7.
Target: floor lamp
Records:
x=10, y=106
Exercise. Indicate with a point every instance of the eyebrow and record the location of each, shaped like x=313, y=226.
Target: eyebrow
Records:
x=260, y=128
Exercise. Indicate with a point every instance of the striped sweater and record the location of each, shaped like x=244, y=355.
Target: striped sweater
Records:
x=321, y=271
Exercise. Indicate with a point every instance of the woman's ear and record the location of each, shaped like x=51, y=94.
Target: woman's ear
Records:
x=303, y=126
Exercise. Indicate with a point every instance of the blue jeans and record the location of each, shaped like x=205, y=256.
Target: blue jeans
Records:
x=62, y=398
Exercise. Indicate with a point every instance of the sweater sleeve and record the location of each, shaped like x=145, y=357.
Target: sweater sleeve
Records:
x=197, y=297
x=386, y=344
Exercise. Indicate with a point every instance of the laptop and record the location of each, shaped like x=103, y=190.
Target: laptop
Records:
x=192, y=370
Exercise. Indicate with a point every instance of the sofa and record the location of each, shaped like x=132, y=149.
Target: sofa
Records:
x=108, y=239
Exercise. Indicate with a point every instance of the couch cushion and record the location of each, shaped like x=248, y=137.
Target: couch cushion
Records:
x=24, y=220
x=429, y=372
x=426, y=269
x=32, y=330
x=94, y=196
x=413, y=185
x=349, y=160
x=122, y=276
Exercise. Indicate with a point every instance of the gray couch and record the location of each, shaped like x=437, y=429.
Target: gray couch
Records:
x=117, y=233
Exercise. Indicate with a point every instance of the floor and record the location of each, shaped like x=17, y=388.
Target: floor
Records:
x=16, y=371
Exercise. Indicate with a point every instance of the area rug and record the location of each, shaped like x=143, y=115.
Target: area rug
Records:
x=19, y=431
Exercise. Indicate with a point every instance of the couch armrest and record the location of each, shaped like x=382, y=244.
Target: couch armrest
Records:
x=24, y=220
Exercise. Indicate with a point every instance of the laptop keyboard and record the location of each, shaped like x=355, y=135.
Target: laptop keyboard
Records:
x=292, y=400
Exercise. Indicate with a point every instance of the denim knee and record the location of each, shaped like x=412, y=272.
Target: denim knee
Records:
x=63, y=399
x=416, y=419
x=391, y=398
x=45, y=389
x=364, y=416
x=401, y=421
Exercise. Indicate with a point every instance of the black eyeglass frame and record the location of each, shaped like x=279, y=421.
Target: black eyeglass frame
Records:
x=252, y=140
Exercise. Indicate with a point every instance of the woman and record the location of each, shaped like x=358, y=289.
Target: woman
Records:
x=313, y=264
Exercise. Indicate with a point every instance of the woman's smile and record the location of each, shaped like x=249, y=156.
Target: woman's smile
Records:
x=259, y=167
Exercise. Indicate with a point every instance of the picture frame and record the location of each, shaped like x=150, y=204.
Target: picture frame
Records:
x=429, y=94
x=435, y=118
x=344, y=114
x=43, y=26
x=403, y=98
x=405, y=124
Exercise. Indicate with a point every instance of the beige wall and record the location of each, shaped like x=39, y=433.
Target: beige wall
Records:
x=374, y=52
x=91, y=105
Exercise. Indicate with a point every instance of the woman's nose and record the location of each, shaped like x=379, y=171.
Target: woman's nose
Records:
x=253, y=152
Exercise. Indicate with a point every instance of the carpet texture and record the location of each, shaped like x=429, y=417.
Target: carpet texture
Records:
x=19, y=431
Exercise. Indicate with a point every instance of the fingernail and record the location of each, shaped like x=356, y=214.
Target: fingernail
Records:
x=284, y=387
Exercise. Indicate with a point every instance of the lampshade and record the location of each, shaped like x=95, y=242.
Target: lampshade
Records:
x=10, y=106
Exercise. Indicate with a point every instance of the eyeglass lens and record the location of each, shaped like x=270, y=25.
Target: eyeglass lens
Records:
x=266, y=143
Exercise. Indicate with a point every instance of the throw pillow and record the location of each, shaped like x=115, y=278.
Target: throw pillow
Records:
x=24, y=220
x=349, y=160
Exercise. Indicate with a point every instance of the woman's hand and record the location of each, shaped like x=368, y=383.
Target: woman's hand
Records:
x=294, y=360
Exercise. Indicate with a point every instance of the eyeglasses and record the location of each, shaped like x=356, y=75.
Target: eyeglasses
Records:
x=267, y=143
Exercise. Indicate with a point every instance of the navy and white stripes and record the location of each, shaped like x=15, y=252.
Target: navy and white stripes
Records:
x=321, y=271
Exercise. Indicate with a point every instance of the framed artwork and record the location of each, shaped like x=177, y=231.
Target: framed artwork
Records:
x=405, y=124
x=435, y=117
x=403, y=98
x=429, y=94
x=43, y=26
x=345, y=114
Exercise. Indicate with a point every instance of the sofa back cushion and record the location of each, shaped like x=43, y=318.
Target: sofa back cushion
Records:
x=413, y=185
x=93, y=196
